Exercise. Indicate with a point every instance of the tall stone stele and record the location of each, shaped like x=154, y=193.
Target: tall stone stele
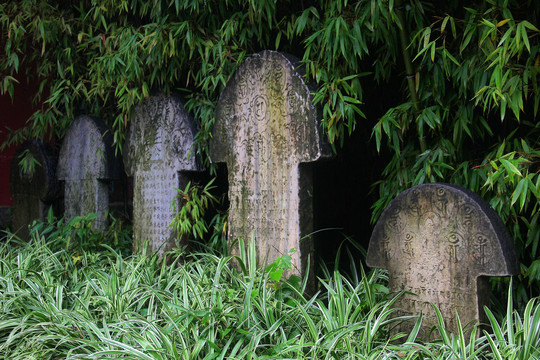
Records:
x=266, y=129
x=158, y=155
x=87, y=164
x=440, y=242
x=34, y=189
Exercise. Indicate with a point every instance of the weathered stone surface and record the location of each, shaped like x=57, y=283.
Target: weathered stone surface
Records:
x=266, y=126
x=439, y=242
x=158, y=155
x=33, y=190
x=87, y=161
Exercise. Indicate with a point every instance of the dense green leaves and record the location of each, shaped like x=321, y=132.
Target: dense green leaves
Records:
x=106, y=306
x=463, y=79
x=472, y=65
x=103, y=305
x=104, y=58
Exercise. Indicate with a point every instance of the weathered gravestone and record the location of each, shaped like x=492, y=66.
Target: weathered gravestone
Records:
x=33, y=187
x=86, y=164
x=158, y=155
x=266, y=127
x=439, y=242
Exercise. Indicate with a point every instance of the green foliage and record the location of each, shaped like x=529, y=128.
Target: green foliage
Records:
x=516, y=336
x=104, y=58
x=107, y=306
x=277, y=268
x=277, y=272
x=141, y=308
x=462, y=79
x=28, y=162
x=78, y=235
x=471, y=65
x=191, y=220
x=190, y=206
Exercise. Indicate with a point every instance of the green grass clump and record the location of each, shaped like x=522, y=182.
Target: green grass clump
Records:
x=107, y=306
x=98, y=304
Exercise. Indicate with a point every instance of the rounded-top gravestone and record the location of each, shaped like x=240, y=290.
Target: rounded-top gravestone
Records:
x=266, y=127
x=86, y=162
x=158, y=155
x=33, y=184
x=439, y=242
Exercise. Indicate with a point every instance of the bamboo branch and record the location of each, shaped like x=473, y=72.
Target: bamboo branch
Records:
x=403, y=36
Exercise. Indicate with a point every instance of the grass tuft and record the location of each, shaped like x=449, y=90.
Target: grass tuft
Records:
x=99, y=304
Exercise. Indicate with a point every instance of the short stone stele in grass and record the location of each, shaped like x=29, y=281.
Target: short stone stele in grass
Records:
x=440, y=242
x=266, y=130
x=158, y=155
x=86, y=164
x=33, y=185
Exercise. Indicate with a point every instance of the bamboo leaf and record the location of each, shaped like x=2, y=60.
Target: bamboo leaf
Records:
x=518, y=191
x=502, y=22
x=524, y=36
x=445, y=21
x=529, y=26
x=510, y=167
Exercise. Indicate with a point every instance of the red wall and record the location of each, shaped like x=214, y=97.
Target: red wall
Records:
x=13, y=114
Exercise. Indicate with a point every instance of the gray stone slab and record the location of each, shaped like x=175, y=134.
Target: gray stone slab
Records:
x=34, y=190
x=440, y=242
x=86, y=163
x=266, y=127
x=158, y=155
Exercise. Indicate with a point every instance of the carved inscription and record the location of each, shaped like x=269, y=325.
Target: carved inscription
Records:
x=265, y=127
x=152, y=206
x=437, y=240
x=158, y=156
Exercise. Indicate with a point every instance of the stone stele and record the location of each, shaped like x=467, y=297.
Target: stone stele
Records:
x=33, y=189
x=86, y=163
x=440, y=242
x=266, y=126
x=158, y=154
